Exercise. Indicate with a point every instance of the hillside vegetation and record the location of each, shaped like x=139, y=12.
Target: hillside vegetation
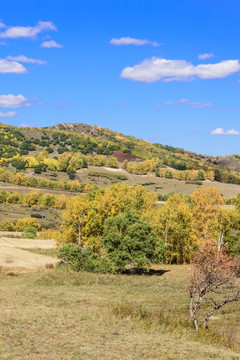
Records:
x=57, y=154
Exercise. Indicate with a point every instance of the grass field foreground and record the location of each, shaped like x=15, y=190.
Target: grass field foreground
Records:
x=51, y=314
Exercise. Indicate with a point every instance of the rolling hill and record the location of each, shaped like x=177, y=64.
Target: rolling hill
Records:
x=99, y=157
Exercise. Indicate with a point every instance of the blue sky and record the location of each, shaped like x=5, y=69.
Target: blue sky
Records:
x=167, y=71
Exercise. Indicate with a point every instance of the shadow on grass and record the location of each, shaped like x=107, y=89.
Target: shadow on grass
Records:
x=138, y=271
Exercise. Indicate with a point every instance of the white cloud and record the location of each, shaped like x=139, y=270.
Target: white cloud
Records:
x=2, y=25
x=15, y=32
x=7, y=67
x=187, y=102
x=50, y=44
x=155, y=69
x=13, y=101
x=24, y=59
x=205, y=56
x=8, y=114
x=221, y=131
x=183, y=101
x=194, y=104
x=132, y=41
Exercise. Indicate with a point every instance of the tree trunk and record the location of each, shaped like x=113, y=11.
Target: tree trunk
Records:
x=196, y=323
x=192, y=309
x=220, y=241
x=79, y=234
x=217, y=307
x=208, y=317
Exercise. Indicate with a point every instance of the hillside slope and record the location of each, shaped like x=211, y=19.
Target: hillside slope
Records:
x=61, y=151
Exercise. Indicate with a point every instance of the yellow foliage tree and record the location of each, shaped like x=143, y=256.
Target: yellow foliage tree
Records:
x=206, y=203
x=173, y=224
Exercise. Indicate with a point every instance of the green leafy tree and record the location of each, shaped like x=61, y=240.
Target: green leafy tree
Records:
x=127, y=240
x=71, y=173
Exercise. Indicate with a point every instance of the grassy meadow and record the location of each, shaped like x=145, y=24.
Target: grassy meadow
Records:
x=52, y=314
x=105, y=177
x=13, y=212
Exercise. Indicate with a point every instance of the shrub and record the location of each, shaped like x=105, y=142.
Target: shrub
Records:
x=19, y=164
x=49, y=266
x=71, y=173
x=23, y=223
x=194, y=182
x=47, y=234
x=3, y=196
x=29, y=232
x=83, y=259
x=7, y=226
x=32, y=198
x=48, y=200
x=13, y=198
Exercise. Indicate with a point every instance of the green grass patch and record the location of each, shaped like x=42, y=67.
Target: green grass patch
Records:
x=47, y=252
x=111, y=177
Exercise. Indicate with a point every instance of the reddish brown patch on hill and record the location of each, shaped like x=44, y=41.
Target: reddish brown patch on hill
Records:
x=121, y=156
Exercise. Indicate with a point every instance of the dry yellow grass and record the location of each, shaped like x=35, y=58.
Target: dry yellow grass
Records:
x=60, y=315
x=27, y=243
x=12, y=255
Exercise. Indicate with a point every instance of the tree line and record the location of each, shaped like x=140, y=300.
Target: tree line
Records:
x=177, y=228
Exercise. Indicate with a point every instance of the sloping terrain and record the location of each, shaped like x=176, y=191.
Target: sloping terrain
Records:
x=49, y=157
x=231, y=162
x=12, y=254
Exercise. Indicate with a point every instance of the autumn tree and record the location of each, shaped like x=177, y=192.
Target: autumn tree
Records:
x=206, y=203
x=213, y=279
x=74, y=218
x=85, y=215
x=173, y=224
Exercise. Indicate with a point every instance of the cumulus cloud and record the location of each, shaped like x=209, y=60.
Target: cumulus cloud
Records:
x=155, y=69
x=15, y=32
x=7, y=66
x=205, y=56
x=51, y=44
x=2, y=25
x=221, y=131
x=13, y=101
x=132, y=41
x=24, y=59
x=8, y=114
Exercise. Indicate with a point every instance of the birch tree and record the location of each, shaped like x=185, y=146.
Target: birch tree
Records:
x=213, y=282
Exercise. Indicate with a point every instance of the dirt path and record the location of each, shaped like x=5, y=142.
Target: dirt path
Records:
x=13, y=255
